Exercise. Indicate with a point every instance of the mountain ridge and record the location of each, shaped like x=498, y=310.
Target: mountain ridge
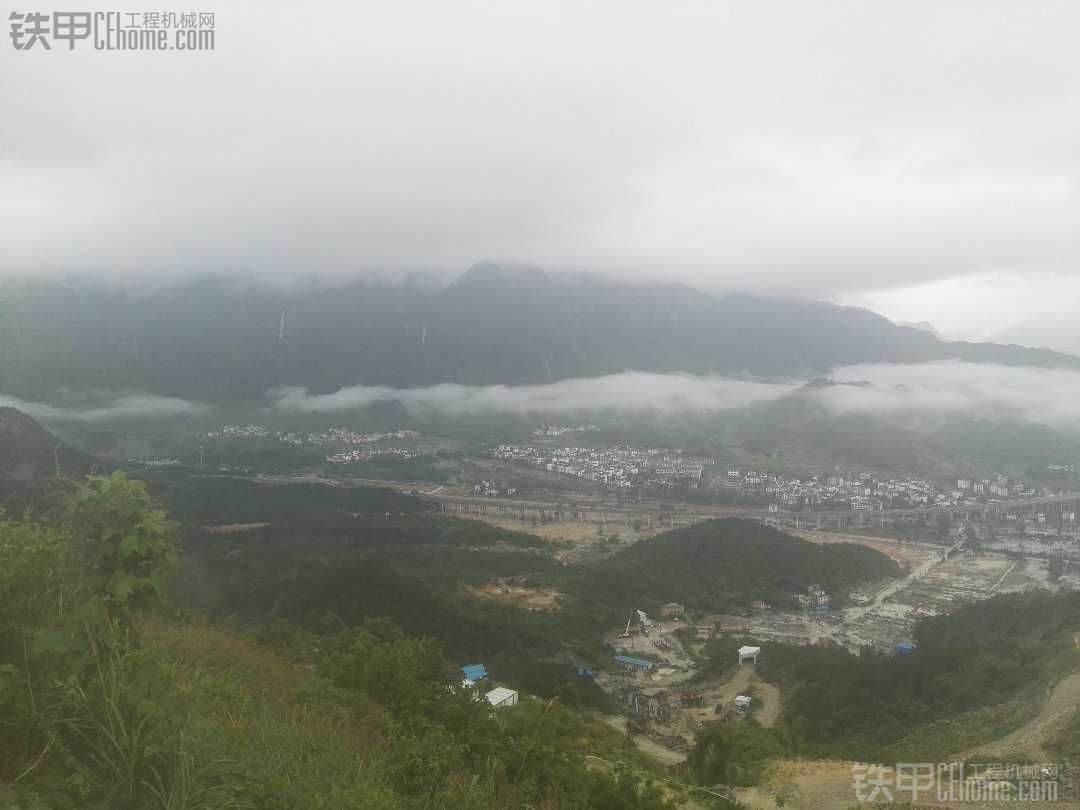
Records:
x=224, y=340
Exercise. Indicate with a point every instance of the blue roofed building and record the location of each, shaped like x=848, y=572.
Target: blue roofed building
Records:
x=633, y=664
x=474, y=673
x=905, y=647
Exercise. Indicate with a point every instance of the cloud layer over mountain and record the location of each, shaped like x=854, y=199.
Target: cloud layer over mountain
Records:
x=106, y=407
x=769, y=146
x=628, y=391
x=1046, y=396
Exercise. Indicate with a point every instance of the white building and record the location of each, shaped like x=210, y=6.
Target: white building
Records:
x=749, y=654
x=500, y=697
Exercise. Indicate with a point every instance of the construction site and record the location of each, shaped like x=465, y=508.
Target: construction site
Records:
x=663, y=700
x=658, y=683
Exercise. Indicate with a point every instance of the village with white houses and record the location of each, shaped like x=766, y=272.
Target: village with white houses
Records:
x=616, y=468
x=360, y=444
x=628, y=467
x=554, y=431
x=330, y=437
x=866, y=491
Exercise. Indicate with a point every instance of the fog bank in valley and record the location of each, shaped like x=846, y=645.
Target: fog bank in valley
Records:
x=1046, y=396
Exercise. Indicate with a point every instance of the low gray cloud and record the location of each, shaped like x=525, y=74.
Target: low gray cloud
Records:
x=779, y=146
x=106, y=407
x=1046, y=396
x=627, y=391
x=1028, y=309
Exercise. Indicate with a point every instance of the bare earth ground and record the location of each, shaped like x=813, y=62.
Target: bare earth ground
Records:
x=529, y=598
x=913, y=553
x=723, y=693
x=1028, y=740
x=584, y=536
x=685, y=722
x=829, y=785
x=803, y=784
x=770, y=712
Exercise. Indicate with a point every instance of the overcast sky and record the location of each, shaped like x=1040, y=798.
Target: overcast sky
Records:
x=918, y=158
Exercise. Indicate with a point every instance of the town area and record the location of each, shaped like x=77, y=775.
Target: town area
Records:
x=626, y=468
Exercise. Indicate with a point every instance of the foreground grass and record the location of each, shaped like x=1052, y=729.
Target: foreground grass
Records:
x=298, y=742
x=295, y=741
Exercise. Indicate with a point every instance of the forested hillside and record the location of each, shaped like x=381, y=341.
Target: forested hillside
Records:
x=28, y=451
x=977, y=675
x=110, y=701
x=209, y=500
x=984, y=654
x=34, y=465
x=226, y=341
x=322, y=567
x=722, y=564
x=924, y=442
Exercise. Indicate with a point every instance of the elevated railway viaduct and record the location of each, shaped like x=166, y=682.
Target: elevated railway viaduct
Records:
x=654, y=515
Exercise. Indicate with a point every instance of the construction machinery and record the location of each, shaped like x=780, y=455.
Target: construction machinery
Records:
x=644, y=623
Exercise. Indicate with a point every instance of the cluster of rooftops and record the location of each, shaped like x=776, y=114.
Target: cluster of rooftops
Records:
x=499, y=697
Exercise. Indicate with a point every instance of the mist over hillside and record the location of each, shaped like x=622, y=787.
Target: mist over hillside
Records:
x=218, y=340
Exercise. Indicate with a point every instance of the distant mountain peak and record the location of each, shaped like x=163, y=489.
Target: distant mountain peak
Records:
x=922, y=326
x=491, y=272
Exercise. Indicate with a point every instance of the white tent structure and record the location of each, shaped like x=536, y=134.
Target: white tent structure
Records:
x=501, y=697
x=748, y=654
x=742, y=702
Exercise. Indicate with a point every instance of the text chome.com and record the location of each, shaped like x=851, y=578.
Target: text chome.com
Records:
x=113, y=30
x=955, y=782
